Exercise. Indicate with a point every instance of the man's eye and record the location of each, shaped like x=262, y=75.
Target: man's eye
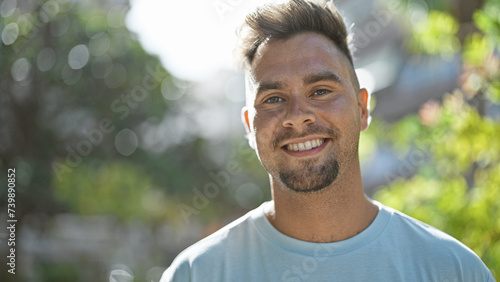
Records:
x=320, y=92
x=273, y=100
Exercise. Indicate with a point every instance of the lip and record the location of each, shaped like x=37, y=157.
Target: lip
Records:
x=306, y=152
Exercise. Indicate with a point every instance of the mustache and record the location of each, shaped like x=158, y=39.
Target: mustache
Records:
x=310, y=130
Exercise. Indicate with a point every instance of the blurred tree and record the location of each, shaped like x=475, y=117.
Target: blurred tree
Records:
x=453, y=145
x=77, y=90
x=89, y=120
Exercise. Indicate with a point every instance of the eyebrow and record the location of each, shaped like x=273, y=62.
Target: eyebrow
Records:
x=269, y=85
x=321, y=76
x=308, y=79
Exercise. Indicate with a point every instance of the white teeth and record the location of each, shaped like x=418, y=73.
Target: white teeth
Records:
x=308, y=145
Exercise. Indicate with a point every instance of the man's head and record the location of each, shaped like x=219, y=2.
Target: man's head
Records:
x=304, y=107
x=283, y=21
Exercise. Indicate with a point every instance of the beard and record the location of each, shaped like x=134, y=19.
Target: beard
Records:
x=310, y=178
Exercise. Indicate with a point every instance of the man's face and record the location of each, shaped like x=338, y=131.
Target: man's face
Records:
x=304, y=111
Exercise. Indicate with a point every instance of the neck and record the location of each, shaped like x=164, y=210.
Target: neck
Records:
x=335, y=213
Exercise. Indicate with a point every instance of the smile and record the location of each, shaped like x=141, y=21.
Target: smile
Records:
x=308, y=145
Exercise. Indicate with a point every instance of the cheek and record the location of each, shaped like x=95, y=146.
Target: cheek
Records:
x=265, y=124
x=338, y=110
x=347, y=107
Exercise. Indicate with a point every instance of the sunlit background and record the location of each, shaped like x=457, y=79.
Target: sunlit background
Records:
x=122, y=121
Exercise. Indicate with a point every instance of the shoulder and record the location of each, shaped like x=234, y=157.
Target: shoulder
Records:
x=432, y=247
x=209, y=253
x=419, y=231
x=406, y=228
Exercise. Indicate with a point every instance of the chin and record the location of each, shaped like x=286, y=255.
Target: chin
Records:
x=313, y=179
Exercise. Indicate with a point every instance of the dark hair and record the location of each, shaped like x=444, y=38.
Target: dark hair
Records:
x=284, y=20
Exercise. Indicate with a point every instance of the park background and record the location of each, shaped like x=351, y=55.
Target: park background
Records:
x=124, y=156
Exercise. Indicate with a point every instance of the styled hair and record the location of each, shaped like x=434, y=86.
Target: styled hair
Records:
x=284, y=20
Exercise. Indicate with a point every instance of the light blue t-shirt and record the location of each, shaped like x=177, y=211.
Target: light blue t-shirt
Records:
x=395, y=247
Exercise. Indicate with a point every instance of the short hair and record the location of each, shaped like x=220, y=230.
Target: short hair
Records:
x=284, y=20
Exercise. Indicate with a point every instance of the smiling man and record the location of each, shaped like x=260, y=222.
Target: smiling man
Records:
x=304, y=113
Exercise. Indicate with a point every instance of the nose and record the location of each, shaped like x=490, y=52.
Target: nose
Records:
x=298, y=114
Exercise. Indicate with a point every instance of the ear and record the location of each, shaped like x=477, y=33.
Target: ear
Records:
x=364, y=108
x=245, y=119
x=246, y=122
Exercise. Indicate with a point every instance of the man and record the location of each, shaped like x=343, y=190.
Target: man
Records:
x=304, y=113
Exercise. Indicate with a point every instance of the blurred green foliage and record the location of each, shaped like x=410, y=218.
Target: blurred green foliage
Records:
x=119, y=189
x=73, y=76
x=435, y=34
x=59, y=272
x=453, y=145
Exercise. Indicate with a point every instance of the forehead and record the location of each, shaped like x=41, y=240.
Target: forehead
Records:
x=299, y=56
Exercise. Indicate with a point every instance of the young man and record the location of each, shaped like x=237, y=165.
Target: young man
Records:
x=304, y=114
